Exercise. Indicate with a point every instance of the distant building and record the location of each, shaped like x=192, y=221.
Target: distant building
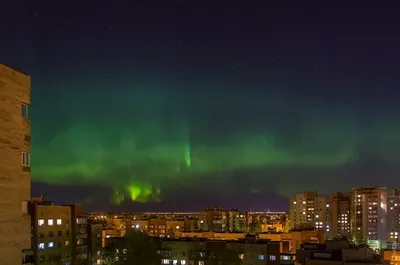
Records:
x=238, y=221
x=393, y=216
x=338, y=215
x=200, y=251
x=307, y=210
x=369, y=216
x=59, y=233
x=216, y=219
x=213, y=219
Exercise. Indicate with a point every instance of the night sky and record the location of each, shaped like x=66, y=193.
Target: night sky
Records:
x=176, y=105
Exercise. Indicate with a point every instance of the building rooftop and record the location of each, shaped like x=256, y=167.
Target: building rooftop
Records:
x=14, y=68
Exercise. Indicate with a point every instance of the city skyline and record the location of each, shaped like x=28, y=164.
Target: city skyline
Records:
x=178, y=105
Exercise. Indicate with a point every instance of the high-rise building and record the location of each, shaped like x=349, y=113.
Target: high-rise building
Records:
x=393, y=216
x=307, y=210
x=338, y=217
x=369, y=216
x=59, y=233
x=15, y=171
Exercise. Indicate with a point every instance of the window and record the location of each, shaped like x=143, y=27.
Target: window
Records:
x=50, y=222
x=26, y=159
x=272, y=257
x=50, y=244
x=174, y=262
x=24, y=110
x=41, y=245
x=98, y=253
x=98, y=262
x=260, y=257
x=165, y=261
x=66, y=243
x=40, y=222
x=59, y=221
x=183, y=262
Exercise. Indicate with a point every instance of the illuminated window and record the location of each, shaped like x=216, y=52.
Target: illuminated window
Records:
x=50, y=222
x=165, y=261
x=26, y=159
x=66, y=243
x=40, y=222
x=24, y=110
x=260, y=257
x=50, y=244
x=183, y=262
x=41, y=245
x=59, y=221
x=272, y=257
x=174, y=262
x=98, y=253
x=98, y=262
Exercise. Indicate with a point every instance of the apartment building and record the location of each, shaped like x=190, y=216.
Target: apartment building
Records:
x=307, y=210
x=393, y=216
x=338, y=215
x=59, y=233
x=251, y=251
x=369, y=216
x=94, y=246
x=15, y=171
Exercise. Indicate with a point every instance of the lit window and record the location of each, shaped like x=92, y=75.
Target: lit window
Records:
x=260, y=257
x=165, y=261
x=98, y=253
x=50, y=222
x=59, y=221
x=26, y=159
x=66, y=243
x=174, y=262
x=183, y=262
x=40, y=222
x=98, y=262
x=24, y=110
x=41, y=245
x=272, y=257
x=50, y=244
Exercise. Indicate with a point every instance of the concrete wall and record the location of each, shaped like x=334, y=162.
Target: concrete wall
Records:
x=15, y=181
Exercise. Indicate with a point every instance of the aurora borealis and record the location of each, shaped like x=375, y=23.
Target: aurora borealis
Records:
x=184, y=103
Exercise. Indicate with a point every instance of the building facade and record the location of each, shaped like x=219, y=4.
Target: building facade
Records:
x=307, y=210
x=369, y=216
x=95, y=250
x=393, y=216
x=338, y=215
x=203, y=252
x=15, y=181
x=59, y=233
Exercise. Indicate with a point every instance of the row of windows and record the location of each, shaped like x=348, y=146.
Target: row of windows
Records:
x=50, y=222
x=25, y=157
x=51, y=244
x=51, y=233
